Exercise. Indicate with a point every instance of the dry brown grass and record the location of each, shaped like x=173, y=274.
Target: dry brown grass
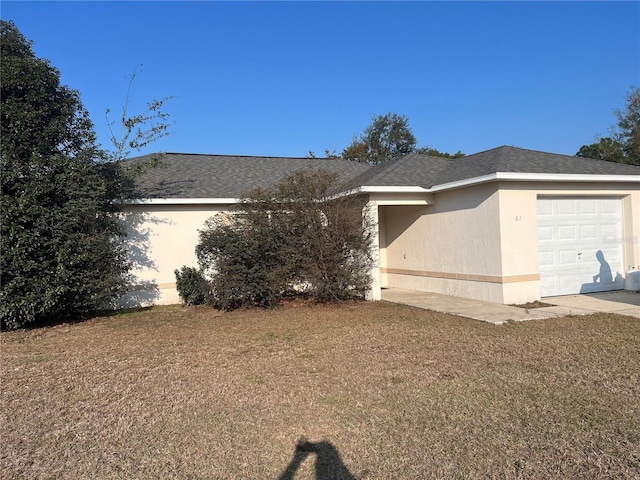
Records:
x=535, y=304
x=394, y=392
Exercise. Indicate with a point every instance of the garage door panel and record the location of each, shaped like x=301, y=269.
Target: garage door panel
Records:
x=567, y=232
x=567, y=257
x=565, y=208
x=579, y=238
x=611, y=207
x=545, y=207
x=587, y=207
x=568, y=281
x=588, y=232
x=609, y=230
x=546, y=259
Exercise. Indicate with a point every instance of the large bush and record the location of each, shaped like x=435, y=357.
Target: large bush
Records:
x=60, y=257
x=292, y=240
x=61, y=254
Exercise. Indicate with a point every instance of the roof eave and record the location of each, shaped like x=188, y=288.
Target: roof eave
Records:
x=183, y=201
x=493, y=177
x=536, y=177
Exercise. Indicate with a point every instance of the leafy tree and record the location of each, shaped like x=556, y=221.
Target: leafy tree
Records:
x=291, y=240
x=605, y=149
x=436, y=153
x=137, y=130
x=628, y=132
x=60, y=255
x=388, y=137
x=623, y=146
x=358, y=151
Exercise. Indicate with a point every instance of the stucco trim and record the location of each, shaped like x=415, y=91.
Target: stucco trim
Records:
x=465, y=276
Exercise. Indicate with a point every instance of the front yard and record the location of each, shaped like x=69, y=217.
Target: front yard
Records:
x=383, y=391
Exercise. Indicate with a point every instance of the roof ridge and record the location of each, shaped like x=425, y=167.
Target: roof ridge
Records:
x=238, y=156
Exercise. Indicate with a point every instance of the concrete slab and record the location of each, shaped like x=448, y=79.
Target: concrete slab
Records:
x=463, y=307
x=621, y=302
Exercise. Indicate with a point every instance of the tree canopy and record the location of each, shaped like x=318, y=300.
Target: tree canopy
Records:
x=623, y=146
x=628, y=131
x=437, y=153
x=388, y=137
x=60, y=255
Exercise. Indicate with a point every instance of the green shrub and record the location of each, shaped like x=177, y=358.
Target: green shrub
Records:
x=192, y=286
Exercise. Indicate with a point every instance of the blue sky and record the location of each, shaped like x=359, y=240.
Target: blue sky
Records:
x=283, y=78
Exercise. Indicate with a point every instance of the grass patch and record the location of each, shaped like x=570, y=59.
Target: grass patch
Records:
x=379, y=390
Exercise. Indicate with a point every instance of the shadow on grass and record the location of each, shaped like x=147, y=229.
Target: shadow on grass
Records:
x=120, y=311
x=56, y=322
x=328, y=464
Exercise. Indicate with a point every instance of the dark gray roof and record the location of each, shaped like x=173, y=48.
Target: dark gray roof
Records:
x=425, y=171
x=519, y=160
x=411, y=170
x=227, y=176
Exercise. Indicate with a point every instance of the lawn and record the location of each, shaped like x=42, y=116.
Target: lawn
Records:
x=381, y=391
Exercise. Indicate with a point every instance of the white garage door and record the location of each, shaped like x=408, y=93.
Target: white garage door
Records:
x=580, y=244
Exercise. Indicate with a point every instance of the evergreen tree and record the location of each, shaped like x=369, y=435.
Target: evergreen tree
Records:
x=60, y=255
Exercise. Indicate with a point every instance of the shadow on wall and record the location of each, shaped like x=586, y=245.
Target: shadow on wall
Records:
x=141, y=295
x=395, y=225
x=604, y=279
x=137, y=243
x=328, y=464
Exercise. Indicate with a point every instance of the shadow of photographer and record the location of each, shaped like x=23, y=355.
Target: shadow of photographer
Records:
x=328, y=464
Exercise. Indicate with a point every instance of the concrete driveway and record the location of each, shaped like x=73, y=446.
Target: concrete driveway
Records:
x=621, y=302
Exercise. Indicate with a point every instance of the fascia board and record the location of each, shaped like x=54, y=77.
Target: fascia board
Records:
x=183, y=201
x=567, y=177
x=412, y=189
x=536, y=177
x=385, y=189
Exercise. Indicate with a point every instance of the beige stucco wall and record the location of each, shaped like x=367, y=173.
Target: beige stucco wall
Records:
x=452, y=246
x=476, y=242
x=482, y=241
x=162, y=238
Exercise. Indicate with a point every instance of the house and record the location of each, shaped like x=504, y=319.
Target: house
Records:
x=506, y=225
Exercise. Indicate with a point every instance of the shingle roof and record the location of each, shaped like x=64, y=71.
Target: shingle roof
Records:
x=226, y=176
x=411, y=170
x=519, y=160
x=425, y=171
